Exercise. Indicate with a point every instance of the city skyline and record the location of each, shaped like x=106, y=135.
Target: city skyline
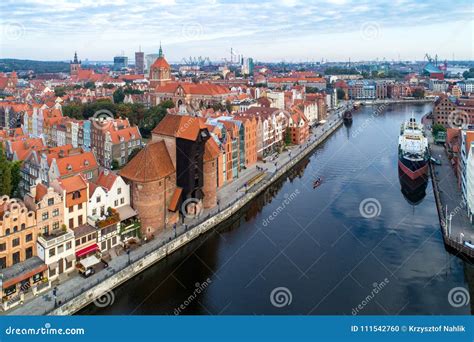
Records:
x=289, y=30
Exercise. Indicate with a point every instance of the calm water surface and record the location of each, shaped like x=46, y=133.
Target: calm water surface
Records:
x=319, y=246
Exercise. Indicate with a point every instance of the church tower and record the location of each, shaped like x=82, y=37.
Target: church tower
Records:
x=75, y=66
x=160, y=71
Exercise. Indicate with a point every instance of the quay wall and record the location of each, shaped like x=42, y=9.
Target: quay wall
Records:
x=87, y=297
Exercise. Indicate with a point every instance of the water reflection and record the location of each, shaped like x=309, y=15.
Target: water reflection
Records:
x=414, y=191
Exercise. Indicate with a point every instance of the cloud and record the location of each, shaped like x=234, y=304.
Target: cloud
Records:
x=98, y=29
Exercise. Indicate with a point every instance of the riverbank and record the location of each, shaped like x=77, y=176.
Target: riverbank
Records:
x=455, y=225
x=392, y=101
x=79, y=292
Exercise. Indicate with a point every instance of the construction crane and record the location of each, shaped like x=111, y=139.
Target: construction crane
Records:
x=197, y=61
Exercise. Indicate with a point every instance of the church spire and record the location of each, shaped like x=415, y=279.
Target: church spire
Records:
x=75, y=57
x=160, y=52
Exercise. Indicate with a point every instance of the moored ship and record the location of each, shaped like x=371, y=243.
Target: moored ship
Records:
x=413, y=153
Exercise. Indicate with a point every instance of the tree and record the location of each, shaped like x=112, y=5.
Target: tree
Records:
x=118, y=96
x=341, y=94
x=287, y=138
x=16, y=178
x=59, y=91
x=5, y=174
x=419, y=93
x=436, y=128
x=115, y=164
x=468, y=74
x=89, y=85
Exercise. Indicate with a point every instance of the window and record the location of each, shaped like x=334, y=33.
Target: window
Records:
x=7, y=232
x=103, y=245
x=80, y=220
x=97, y=199
x=60, y=249
x=29, y=238
x=3, y=263
x=29, y=252
x=70, y=209
x=52, y=252
x=56, y=225
x=55, y=212
x=23, y=226
x=50, y=201
x=119, y=191
x=15, y=229
x=16, y=242
x=79, y=206
x=68, y=245
x=3, y=247
x=122, y=200
x=116, y=203
x=71, y=223
x=84, y=239
x=16, y=258
x=94, y=212
x=45, y=216
x=76, y=195
x=78, y=242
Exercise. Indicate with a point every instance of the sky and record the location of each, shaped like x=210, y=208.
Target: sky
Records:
x=278, y=30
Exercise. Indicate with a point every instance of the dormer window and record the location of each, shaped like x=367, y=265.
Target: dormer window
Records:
x=76, y=195
x=86, y=163
x=69, y=167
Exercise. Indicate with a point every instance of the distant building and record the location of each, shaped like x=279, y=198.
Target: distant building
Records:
x=120, y=62
x=74, y=66
x=139, y=62
x=160, y=71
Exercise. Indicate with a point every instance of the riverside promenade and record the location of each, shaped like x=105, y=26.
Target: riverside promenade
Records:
x=78, y=292
x=455, y=224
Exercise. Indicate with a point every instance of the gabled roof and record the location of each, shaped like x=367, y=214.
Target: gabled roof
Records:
x=106, y=179
x=180, y=126
x=153, y=162
x=74, y=183
x=211, y=150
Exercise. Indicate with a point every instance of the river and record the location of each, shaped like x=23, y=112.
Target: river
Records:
x=354, y=245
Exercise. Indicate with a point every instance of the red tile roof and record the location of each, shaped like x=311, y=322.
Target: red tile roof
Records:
x=153, y=162
x=180, y=126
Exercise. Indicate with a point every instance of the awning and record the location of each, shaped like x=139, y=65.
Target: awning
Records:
x=87, y=250
x=53, y=265
x=89, y=261
x=125, y=212
x=70, y=258
x=175, y=199
x=22, y=271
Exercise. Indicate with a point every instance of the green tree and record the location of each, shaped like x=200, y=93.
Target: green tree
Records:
x=59, y=91
x=340, y=93
x=89, y=85
x=419, y=93
x=118, y=95
x=287, y=137
x=5, y=174
x=15, y=178
x=436, y=128
x=115, y=164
